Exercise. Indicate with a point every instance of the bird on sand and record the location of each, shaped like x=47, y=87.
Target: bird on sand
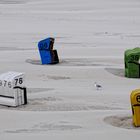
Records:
x=97, y=86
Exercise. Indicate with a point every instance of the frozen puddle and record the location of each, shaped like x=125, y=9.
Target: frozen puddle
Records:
x=121, y=121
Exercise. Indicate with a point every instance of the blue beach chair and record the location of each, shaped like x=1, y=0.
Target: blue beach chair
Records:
x=47, y=54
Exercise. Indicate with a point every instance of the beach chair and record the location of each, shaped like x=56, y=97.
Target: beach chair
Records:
x=132, y=63
x=12, y=89
x=47, y=54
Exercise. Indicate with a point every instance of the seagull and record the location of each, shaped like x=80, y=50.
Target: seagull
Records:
x=97, y=86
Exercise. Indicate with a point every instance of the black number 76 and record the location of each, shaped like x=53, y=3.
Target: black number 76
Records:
x=18, y=81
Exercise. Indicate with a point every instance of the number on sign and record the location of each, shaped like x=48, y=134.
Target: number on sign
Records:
x=9, y=84
x=5, y=83
x=18, y=81
x=0, y=83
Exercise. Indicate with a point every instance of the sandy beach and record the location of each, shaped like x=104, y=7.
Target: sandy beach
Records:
x=90, y=37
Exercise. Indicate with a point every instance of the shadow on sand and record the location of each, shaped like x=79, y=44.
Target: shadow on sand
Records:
x=116, y=71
